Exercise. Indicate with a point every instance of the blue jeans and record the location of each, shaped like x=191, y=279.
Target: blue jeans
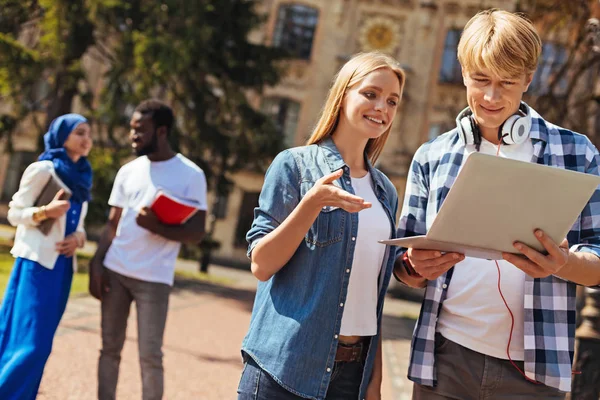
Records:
x=256, y=384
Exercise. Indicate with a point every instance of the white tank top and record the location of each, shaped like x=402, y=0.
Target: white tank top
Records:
x=360, y=309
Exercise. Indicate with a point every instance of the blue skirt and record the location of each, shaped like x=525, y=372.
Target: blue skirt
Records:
x=33, y=305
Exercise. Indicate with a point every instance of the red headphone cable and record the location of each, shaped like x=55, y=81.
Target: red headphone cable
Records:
x=512, y=318
x=512, y=325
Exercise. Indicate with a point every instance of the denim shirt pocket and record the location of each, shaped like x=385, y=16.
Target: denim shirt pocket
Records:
x=328, y=228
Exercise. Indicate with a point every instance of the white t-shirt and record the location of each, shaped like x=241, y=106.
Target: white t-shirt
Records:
x=473, y=313
x=136, y=252
x=360, y=309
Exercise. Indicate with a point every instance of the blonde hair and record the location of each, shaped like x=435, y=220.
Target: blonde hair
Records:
x=505, y=43
x=355, y=70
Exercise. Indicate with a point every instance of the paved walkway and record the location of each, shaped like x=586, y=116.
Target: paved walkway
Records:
x=205, y=327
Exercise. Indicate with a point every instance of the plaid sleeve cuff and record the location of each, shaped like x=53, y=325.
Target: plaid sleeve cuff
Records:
x=399, y=253
x=586, y=248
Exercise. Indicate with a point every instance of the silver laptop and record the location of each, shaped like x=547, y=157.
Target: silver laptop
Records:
x=496, y=201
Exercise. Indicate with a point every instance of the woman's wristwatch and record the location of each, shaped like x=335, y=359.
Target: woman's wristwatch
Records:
x=39, y=215
x=408, y=266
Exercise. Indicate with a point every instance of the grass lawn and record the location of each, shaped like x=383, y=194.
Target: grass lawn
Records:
x=80, y=280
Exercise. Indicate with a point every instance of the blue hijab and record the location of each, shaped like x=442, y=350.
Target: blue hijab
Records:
x=76, y=175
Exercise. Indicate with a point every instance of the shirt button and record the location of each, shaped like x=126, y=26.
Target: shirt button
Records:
x=353, y=238
x=328, y=369
x=348, y=271
x=348, y=182
x=341, y=304
x=335, y=336
x=444, y=286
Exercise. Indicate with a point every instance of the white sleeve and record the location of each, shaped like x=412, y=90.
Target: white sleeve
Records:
x=197, y=190
x=117, y=195
x=20, y=208
x=84, y=210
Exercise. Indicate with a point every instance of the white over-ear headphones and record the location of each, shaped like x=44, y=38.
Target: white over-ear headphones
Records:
x=514, y=130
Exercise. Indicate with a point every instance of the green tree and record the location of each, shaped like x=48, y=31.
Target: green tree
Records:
x=571, y=95
x=20, y=65
x=194, y=54
x=42, y=43
x=197, y=55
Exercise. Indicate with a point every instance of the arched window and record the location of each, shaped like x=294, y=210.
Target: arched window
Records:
x=295, y=29
x=284, y=113
x=450, y=72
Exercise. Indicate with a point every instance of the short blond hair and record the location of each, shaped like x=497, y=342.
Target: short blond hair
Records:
x=355, y=70
x=505, y=43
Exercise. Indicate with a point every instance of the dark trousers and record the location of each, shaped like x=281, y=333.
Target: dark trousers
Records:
x=152, y=302
x=256, y=384
x=586, y=383
x=464, y=374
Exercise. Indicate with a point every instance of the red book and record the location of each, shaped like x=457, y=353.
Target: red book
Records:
x=171, y=210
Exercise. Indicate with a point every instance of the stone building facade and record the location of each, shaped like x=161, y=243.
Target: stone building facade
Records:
x=421, y=34
x=323, y=35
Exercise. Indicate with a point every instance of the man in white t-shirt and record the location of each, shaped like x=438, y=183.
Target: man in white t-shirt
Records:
x=469, y=343
x=136, y=255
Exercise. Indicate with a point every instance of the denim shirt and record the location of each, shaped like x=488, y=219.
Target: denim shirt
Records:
x=297, y=314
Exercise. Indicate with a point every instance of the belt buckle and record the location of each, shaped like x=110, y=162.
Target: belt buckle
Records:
x=357, y=351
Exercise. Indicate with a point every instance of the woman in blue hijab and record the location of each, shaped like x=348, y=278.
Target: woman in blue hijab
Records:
x=38, y=289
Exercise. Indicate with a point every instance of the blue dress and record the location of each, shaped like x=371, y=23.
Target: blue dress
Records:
x=33, y=305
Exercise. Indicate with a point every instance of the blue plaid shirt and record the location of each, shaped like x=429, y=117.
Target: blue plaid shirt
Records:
x=549, y=315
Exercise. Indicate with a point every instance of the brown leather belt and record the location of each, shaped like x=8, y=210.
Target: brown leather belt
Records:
x=352, y=352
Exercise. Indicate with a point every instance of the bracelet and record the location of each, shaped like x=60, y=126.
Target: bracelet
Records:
x=408, y=266
x=40, y=215
x=43, y=215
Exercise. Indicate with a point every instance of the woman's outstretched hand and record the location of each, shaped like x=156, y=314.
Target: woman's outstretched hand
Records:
x=324, y=193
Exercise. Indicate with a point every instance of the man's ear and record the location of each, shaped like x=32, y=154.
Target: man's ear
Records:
x=464, y=76
x=528, y=80
x=162, y=130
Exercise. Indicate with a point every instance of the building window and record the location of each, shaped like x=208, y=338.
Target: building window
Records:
x=19, y=161
x=246, y=216
x=295, y=29
x=284, y=114
x=450, y=71
x=554, y=56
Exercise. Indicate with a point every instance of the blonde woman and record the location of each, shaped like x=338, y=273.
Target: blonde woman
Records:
x=316, y=322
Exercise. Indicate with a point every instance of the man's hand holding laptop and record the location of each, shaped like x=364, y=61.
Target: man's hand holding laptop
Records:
x=536, y=264
x=431, y=264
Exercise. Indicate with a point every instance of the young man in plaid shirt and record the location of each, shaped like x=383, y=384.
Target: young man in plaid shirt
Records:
x=459, y=348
